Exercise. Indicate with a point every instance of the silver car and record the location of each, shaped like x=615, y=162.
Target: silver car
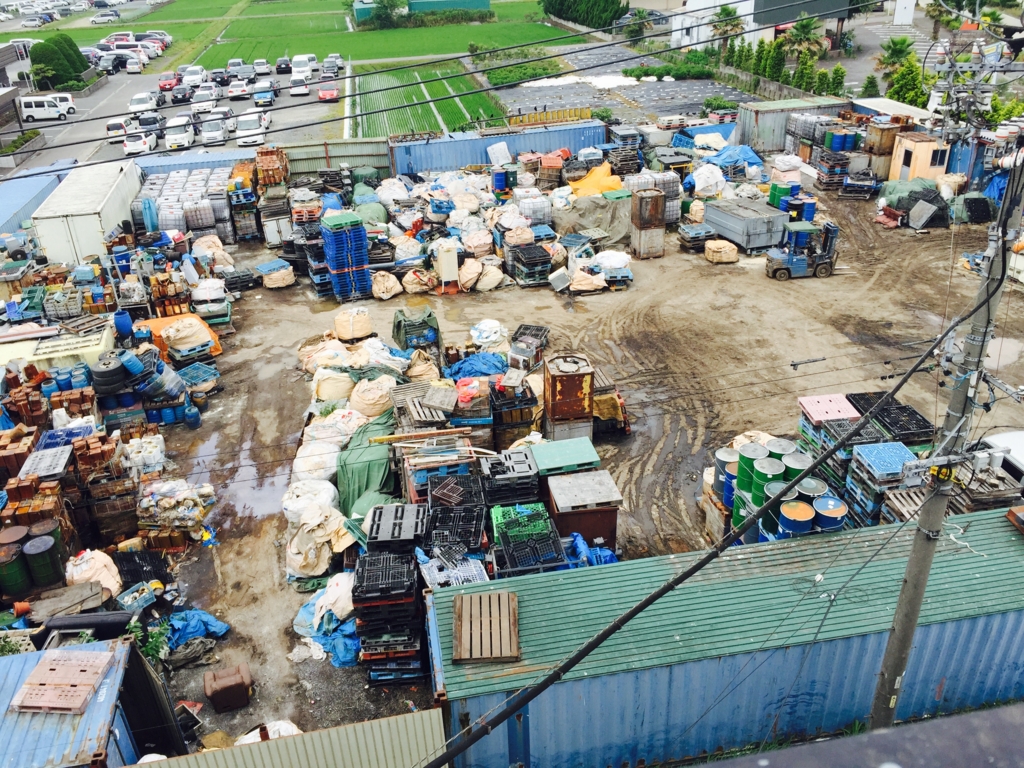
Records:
x=214, y=132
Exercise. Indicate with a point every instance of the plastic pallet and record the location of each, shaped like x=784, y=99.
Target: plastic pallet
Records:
x=198, y=373
x=904, y=423
x=384, y=575
x=422, y=476
x=542, y=233
x=450, y=525
x=538, y=550
x=472, y=492
x=182, y=354
x=56, y=438
x=883, y=461
x=396, y=527
x=272, y=266
x=49, y=464
x=864, y=401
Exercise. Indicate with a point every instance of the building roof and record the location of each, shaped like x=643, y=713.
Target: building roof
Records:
x=84, y=190
x=755, y=597
x=793, y=105
x=391, y=742
x=15, y=194
x=884, y=106
x=917, y=138
x=37, y=740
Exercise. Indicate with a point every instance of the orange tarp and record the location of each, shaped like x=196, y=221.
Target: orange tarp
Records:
x=157, y=324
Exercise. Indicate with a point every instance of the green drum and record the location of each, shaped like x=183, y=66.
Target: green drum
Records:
x=765, y=471
x=43, y=559
x=796, y=463
x=770, y=522
x=13, y=534
x=749, y=453
x=49, y=528
x=779, y=447
x=14, y=577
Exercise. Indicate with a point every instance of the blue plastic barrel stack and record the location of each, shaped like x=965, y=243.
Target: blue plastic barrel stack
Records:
x=348, y=256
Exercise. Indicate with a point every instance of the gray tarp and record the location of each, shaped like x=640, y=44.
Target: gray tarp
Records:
x=595, y=211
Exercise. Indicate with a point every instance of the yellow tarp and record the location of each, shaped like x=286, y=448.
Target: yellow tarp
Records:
x=598, y=180
x=157, y=324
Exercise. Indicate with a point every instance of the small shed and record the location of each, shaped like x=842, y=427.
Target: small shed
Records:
x=424, y=6
x=918, y=156
x=362, y=10
x=762, y=124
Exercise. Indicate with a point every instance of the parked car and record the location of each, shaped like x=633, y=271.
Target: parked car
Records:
x=220, y=77
x=334, y=57
x=111, y=65
x=108, y=7
x=283, y=66
x=118, y=128
x=262, y=67
x=195, y=76
x=234, y=64
x=264, y=93
x=203, y=101
x=239, y=89
x=213, y=88
x=6, y=17
x=328, y=91
x=133, y=67
x=103, y=18
x=252, y=127
x=138, y=143
x=179, y=133
x=182, y=68
x=182, y=94
x=168, y=81
x=226, y=114
x=65, y=101
x=152, y=49
x=34, y=22
x=298, y=86
x=147, y=101
x=330, y=68
x=40, y=108
x=301, y=65
x=191, y=116
x=79, y=7
x=152, y=121
x=245, y=72
x=169, y=38
x=214, y=132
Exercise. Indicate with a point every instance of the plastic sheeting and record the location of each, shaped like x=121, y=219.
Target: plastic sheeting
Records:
x=596, y=181
x=193, y=623
x=480, y=364
x=741, y=155
x=596, y=212
x=997, y=187
x=893, y=190
x=363, y=467
x=338, y=639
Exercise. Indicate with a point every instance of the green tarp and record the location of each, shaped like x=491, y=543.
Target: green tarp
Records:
x=894, y=190
x=363, y=467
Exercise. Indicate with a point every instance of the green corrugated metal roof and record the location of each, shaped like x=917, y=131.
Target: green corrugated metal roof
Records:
x=788, y=105
x=387, y=743
x=737, y=603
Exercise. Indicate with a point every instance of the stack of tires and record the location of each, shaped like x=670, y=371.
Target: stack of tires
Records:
x=108, y=374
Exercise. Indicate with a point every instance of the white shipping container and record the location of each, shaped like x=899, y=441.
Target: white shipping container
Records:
x=89, y=203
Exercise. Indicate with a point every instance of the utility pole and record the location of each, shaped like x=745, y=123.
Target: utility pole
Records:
x=951, y=440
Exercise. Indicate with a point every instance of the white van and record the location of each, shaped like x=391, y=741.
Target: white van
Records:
x=117, y=128
x=65, y=100
x=179, y=133
x=302, y=67
x=41, y=108
x=135, y=48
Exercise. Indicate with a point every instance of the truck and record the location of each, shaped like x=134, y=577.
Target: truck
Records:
x=807, y=250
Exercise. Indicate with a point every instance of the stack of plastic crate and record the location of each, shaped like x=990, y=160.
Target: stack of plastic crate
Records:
x=347, y=250
x=528, y=538
x=874, y=470
x=388, y=618
x=510, y=478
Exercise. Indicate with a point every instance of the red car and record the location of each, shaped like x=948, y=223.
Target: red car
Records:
x=328, y=92
x=168, y=80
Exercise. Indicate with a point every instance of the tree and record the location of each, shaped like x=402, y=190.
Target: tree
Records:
x=76, y=61
x=595, y=14
x=49, y=55
x=805, y=36
x=821, y=83
x=638, y=27
x=776, y=61
x=786, y=78
x=895, y=51
x=837, y=81
x=870, y=88
x=726, y=23
x=747, y=58
x=42, y=74
x=937, y=14
x=729, y=58
x=760, y=57
x=906, y=84
x=990, y=19
x=803, y=77
x=383, y=15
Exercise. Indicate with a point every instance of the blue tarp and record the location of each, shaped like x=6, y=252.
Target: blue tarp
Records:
x=190, y=624
x=997, y=187
x=338, y=639
x=734, y=156
x=480, y=364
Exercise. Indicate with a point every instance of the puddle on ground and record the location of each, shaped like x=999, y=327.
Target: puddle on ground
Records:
x=1003, y=352
x=256, y=487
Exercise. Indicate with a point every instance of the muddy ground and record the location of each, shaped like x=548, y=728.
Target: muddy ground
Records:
x=700, y=351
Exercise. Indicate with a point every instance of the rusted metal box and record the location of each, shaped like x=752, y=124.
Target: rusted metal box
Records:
x=881, y=138
x=228, y=689
x=647, y=243
x=648, y=210
x=568, y=387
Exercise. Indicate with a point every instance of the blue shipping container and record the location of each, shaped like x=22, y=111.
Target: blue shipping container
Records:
x=456, y=150
x=189, y=161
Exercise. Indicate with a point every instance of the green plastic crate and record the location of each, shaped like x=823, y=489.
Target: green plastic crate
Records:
x=617, y=194
x=341, y=220
x=501, y=515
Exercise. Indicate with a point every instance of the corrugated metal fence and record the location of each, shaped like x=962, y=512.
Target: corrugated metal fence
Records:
x=308, y=158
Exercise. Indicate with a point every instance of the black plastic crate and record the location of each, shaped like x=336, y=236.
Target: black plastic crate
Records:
x=457, y=525
x=905, y=423
x=377, y=627
x=865, y=401
x=396, y=527
x=239, y=280
x=531, y=254
x=508, y=399
x=144, y=565
x=538, y=332
x=538, y=550
x=384, y=575
x=472, y=492
x=393, y=612
x=840, y=428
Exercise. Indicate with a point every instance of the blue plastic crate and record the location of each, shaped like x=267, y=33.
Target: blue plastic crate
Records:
x=272, y=266
x=56, y=438
x=542, y=233
x=420, y=476
x=198, y=373
x=184, y=354
x=883, y=461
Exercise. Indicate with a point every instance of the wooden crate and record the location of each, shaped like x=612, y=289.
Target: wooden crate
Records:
x=486, y=628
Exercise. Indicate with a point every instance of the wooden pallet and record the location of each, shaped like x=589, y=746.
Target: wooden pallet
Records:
x=486, y=628
x=423, y=414
x=63, y=682
x=85, y=324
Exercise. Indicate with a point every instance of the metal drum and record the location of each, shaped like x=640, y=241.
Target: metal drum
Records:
x=14, y=578
x=829, y=513
x=779, y=447
x=14, y=534
x=723, y=457
x=811, y=488
x=43, y=559
x=771, y=520
x=49, y=528
x=648, y=210
x=765, y=471
x=796, y=463
x=796, y=517
x=749, y=453
x=729, y=491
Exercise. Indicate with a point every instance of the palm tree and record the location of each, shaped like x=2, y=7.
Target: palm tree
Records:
x=638, y=26
x=805, y=35
x=936, y=13
x=895, y=51
x=991, y=19
x=727, y=23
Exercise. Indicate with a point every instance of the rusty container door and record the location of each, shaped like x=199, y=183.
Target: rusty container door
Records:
x=568, y=387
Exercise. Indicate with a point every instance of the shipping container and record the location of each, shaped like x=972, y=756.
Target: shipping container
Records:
x=89, y=204
x=19, y=199
x=190, y=161
x=770, y=642
x=457, y=150
x=751, y=224
x=762, y=124
x=309, y=158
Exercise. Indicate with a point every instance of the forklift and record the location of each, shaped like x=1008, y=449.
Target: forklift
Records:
x=805, y=250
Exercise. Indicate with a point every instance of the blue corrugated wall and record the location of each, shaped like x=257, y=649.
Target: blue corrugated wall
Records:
x=457, y=150
x=666, y=713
